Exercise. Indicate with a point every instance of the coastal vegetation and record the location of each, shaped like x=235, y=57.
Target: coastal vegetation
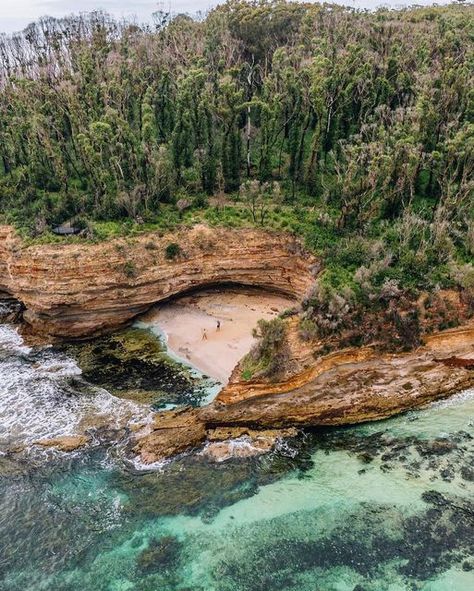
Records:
x=352, y=130
x=162, y=188
x=270, y=354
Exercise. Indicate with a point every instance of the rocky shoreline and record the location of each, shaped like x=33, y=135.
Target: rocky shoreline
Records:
x=75, y=291
x=344, y=388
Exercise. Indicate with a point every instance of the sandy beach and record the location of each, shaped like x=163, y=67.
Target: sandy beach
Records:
x=185, y=320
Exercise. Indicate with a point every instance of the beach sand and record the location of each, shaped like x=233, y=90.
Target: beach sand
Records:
x=184, y=321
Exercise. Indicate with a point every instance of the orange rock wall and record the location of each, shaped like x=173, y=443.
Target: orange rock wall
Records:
x=76, y=290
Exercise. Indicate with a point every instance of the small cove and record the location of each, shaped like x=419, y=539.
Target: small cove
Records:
x=387, y=505
x=212, y=329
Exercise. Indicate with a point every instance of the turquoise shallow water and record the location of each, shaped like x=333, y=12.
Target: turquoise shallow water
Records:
x=382, y=507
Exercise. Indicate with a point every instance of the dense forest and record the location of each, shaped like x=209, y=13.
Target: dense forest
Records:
x=354, y=129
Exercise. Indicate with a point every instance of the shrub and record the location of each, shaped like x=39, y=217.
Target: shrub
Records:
x=270, y=333
x=182, y=205
x=463, y=275
x=288, y=312
x=269, y=356
x=327, y=309
x=130, y=269
x=246, y=375
x=205, y=239
x=172, y=251
x=308, y=329
x=407, y=327
x=200, y=202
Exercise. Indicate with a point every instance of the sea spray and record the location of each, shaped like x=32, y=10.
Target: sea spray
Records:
x=42, y=396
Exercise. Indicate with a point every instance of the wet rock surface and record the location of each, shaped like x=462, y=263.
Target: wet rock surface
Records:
x=133, y=364
x=209, y=486
x=173, y=432
x=10, y=308
x=239, y=442
x=65, y=443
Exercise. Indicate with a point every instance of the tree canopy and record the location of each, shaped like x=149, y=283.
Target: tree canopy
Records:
x=369, y=111
x=353, y=129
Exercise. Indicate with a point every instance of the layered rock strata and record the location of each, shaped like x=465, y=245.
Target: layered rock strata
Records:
x=77, y=290
x=343, y=388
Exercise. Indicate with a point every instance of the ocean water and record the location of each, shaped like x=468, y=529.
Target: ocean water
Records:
x=387, y=506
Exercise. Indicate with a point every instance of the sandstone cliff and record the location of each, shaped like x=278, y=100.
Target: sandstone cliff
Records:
x=80, y=290
x=74, y=290
x=345, y=387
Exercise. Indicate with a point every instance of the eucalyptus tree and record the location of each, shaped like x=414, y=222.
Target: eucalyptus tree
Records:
x=369, y=113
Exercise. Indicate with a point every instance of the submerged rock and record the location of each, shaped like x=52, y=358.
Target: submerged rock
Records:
x=467, y=473
x=190, y=486
x=162, y=553
x=467, y=566
x=371, y=542
x=133, y=364
x=436, y=447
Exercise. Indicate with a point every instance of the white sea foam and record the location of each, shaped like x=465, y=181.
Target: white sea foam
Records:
x=11, y=341
x=140, y=466
x=456, y=400
x=38, y=400
x=286, y=448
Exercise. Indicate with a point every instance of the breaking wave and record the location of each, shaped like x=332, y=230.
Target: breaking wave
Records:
x=42, y=395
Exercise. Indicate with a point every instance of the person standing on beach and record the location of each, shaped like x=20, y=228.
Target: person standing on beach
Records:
x=204, y=334
x=218, y=325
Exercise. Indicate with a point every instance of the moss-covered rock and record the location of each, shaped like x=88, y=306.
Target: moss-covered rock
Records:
x=133, y=364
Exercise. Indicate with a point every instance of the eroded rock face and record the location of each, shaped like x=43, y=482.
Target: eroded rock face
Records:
x=173, y=432
x=346, y=387
x=65, y=443
x=80, y=290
